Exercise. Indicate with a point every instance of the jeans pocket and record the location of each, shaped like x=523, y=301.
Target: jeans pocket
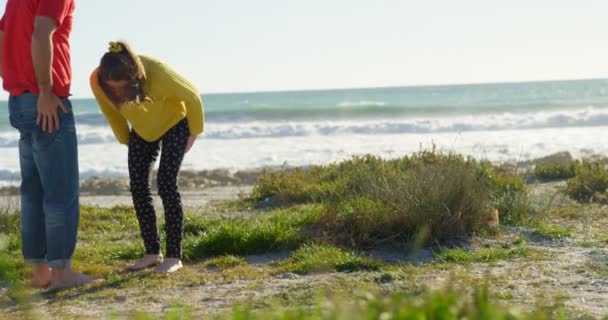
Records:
x=59, y=139
x=66, y=120
x=22, y=112
x=43, y=139
x=11, y=120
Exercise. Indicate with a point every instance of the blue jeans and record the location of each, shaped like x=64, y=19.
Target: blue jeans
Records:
x=49, y=184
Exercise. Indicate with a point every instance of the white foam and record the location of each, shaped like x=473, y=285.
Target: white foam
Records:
x=586, y=117
x=110, y=159
x=361, y=103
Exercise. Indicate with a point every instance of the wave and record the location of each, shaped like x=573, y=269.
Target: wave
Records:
x=264, y=112
x=587, y=117
x=86, y=135
x=361, y=103
x=377, y=110
x=359, y=110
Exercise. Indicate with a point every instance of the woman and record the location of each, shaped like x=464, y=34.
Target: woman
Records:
x=147, y=105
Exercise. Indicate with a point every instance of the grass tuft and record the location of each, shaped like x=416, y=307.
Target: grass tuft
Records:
x=226, y=261
x=551, y=232
x=463, y=256
x=325, y=258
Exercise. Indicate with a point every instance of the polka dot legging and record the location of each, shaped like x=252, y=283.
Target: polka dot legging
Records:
x=142, y=156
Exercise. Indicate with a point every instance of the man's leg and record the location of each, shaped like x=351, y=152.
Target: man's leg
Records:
x=33, y=232
x=56, y=156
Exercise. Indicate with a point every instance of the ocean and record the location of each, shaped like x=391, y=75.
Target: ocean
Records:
x=497, y=122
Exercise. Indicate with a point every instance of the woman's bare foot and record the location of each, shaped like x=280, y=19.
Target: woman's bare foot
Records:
x=147, y=261
x=169, y=265
x=41, y=275
x=68, y=278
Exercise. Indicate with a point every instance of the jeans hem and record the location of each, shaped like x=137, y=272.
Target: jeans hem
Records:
x=60, y=263
x=31, y=261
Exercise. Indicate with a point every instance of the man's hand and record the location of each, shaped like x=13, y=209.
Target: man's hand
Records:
x=42, y=57
x=191, y=140
x=48, y=118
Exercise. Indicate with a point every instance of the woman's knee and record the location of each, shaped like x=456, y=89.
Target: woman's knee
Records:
x=139, y=188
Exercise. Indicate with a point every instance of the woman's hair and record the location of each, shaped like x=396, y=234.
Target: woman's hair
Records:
x=121, y=63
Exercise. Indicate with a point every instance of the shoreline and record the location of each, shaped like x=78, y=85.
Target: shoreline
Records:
x=194, y=201
x=202, y=189
x=198, y=181
x=505, y=146
x=188, y=181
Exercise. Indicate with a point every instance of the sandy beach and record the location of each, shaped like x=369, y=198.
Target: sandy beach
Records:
x=193, y=200
x=559, y=256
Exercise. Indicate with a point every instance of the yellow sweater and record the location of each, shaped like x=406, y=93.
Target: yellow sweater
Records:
x=173, y=98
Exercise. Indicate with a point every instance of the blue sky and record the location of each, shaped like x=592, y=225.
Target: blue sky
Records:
x=243, y=45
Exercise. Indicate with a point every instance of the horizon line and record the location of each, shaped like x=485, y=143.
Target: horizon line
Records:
x=453, y=84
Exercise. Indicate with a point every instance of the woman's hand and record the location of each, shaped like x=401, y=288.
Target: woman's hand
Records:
x=191, y=140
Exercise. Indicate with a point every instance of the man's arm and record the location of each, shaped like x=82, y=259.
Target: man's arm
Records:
x=1, y=40
x=42, y=52
x=1, y=44
x=42, y=58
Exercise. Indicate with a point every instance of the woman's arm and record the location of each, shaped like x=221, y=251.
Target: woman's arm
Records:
x=119, y=124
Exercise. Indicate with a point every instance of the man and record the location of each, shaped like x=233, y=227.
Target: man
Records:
x=36, y=71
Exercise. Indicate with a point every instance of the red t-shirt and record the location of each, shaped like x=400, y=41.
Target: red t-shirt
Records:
x=18, y=25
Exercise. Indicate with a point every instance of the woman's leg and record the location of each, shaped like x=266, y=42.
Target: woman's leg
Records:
x=142, y=155
x=173, y=149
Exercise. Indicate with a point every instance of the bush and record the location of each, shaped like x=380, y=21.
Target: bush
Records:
x=556, y=170
x=369, y=200
x=590, y=182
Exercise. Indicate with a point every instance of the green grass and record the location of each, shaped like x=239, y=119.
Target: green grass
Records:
x=446, y=304
x=117, y=229
x=109, y=239
x=279, y=229
x=598, y=263
x=12, y=267
x=226, y=261
x=243, y=237
x=589, y=243
x=325, y=258
x=9, y=204
x=10, y=223
x=551, y=232
x=12, y=270
x=463, y=256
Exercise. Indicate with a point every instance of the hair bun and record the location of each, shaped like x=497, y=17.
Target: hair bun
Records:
x=115, y=47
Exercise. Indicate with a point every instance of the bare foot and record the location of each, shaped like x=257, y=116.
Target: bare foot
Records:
x=169, y=265
x=41, y=275
x=147, y=261
x=67, y=278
